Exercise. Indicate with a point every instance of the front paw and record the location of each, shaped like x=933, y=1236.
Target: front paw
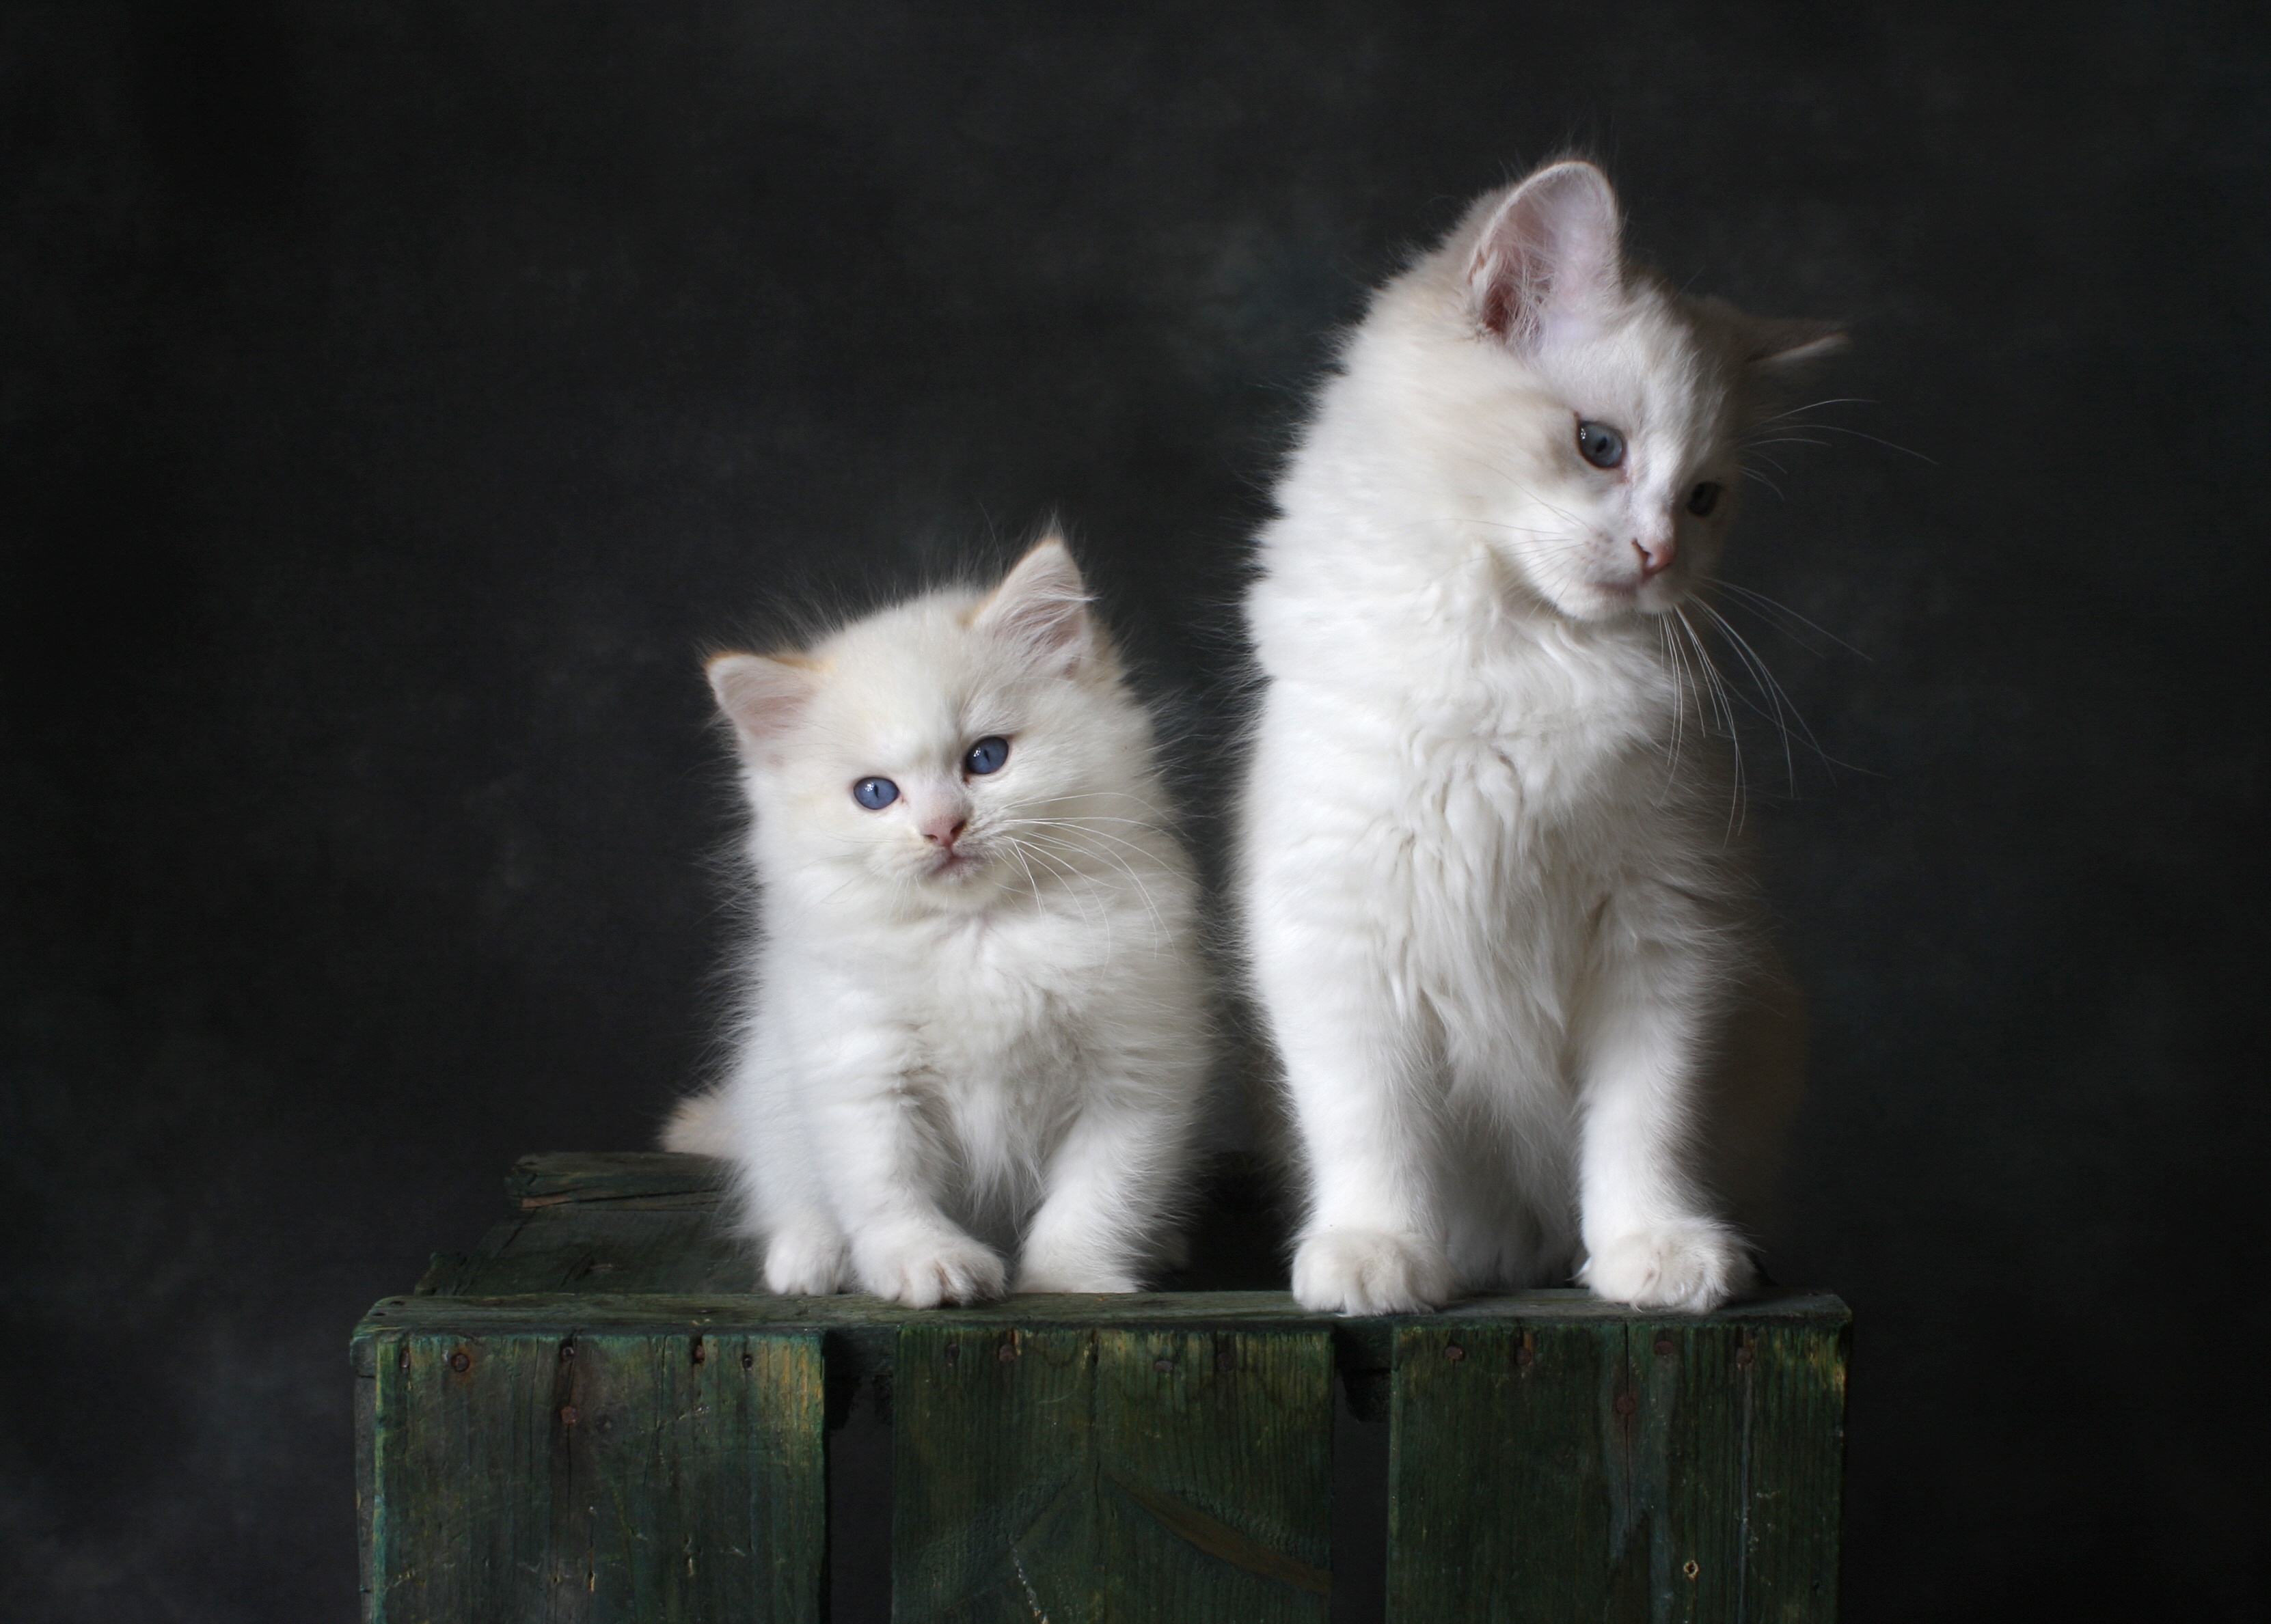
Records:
x=1690, y=1266
x=804, y=1262
x=1371, y=1272
x=929, y=1268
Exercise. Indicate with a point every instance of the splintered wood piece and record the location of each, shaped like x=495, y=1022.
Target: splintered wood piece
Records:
x=1685, y=1470
x=1112, y=1474
x=596, y=1476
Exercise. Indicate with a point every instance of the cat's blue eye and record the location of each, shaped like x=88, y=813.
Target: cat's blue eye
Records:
x=986, y=755
x=874, y=794
x=1600, y=444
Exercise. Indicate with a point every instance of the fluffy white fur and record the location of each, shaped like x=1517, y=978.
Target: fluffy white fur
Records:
x=1483, y=846
x=978, y=1014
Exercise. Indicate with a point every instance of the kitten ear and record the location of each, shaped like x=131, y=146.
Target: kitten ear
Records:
x=1790, y=341
x=761, y=697
x=1040, y=608
x=1552, y=256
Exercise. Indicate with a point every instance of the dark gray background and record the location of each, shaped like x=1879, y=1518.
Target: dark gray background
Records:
x=394, y=399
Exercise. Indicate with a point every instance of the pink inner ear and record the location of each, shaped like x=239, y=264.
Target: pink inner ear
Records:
x=1551, y=256
x=762, y=698
x=1041, y=606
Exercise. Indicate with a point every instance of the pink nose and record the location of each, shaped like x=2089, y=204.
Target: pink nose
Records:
x=1655, y=560
x=944, y=830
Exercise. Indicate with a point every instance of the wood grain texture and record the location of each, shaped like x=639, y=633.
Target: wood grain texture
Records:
x=650, y=1177
x=1619, y=1469
x=1112, y=1474
x=597, y=1476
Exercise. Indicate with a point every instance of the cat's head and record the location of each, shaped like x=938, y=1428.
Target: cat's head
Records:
x=1602, y=412
x=936, y=752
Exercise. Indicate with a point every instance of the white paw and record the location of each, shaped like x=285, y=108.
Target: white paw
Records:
x=929, y=1268
x=804, y=1262
x=1371, y=1272
x=1690, y=1266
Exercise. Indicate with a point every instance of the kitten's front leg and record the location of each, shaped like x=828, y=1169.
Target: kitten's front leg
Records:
x=1649, y=1238
x=1110, y=1183
x=884, y=1166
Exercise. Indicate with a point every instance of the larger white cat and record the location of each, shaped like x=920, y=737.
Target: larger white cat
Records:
x=977, y=1009
x=1483, y=842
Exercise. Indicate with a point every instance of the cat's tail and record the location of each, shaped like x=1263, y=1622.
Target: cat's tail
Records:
x=697, y=1126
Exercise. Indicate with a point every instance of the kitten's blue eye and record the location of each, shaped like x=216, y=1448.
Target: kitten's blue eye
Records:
x=1600, y=445
x=874, y=794
x=986, y=755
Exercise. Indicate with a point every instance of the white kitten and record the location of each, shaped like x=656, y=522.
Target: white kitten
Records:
x=977, y=1003
x=1482, y=865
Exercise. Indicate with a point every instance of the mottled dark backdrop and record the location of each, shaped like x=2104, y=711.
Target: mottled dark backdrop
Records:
x=394, y=398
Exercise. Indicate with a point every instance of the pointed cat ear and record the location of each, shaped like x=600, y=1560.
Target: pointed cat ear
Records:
x=1789, y=342
x=1552, y=256
x=761, y=697
x=1041, y=608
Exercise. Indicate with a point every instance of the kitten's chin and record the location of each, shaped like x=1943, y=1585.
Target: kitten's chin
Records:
x=965, y=880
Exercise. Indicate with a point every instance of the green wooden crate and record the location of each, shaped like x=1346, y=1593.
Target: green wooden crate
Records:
x=589, y=1418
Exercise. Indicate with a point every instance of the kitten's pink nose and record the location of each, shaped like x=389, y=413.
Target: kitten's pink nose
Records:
x=1654, y=556
x=942, y=829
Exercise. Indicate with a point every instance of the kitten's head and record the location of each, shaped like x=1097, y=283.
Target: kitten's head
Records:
x=935, y=752
x=1601, y=411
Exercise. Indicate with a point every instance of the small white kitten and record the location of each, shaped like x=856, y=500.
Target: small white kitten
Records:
x=977, y=1004
x=1484, y=871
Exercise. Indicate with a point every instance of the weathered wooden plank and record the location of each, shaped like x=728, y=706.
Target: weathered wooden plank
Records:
x=1220, y=1446
x=1792, y=1389
x=1618, y=1469
x=865, y=1327
x=619, y=1249
x=366, y=1413
x=1499, y=1499
x=1096, y=1473
x=659, y=1177
x=597, y=1476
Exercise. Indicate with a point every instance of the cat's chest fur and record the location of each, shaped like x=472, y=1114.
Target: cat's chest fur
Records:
x=1493, y=735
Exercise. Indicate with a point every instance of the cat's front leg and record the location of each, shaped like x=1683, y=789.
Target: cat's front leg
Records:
x=1372, y=1242
x=1650, y=1240
x=884, y=1168
x=1111, y=1183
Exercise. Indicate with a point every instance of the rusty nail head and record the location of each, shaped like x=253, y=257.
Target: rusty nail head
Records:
x=701, y=1351
x=461, y=1361
x=1454, y=1351
x=402, y=1360
x=749, y=1360
x=1627, y=1403
x=567, y=1350
x=954, y=1352
x=1163, y=1364
x=1525, y=1354
x=567, y=1415
x=1663, y=1348
x=1743, y=1355
x=1008, y=1351
x=1690, y=1567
